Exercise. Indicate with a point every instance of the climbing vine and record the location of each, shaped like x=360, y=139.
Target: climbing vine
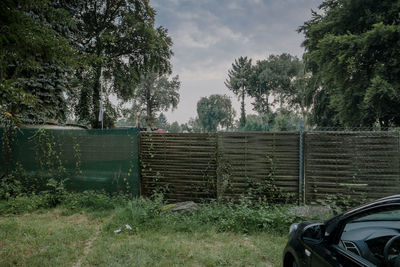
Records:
x=266, y=189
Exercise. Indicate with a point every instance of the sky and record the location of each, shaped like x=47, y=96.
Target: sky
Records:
x=208, y=35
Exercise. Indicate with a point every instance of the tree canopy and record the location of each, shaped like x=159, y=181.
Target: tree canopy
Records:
x=62, y=58
x=238, y=82
x=280, y=78
x=353, y=50
x=154, y=94
x=119, y=41
x=36, y=60
x=215, y=111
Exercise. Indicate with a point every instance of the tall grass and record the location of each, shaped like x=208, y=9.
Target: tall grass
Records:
x=245, y=217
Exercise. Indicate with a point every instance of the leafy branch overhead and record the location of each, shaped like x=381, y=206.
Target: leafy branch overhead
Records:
x=120, y=43
x=68, y=56
x=355, y=63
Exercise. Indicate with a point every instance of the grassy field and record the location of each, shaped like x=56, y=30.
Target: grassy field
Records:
x=54, y=237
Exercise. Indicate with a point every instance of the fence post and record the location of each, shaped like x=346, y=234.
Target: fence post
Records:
x=301, y=163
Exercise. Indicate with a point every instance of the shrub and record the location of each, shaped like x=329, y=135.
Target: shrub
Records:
x=24, y=203
x=245, y=217
x=92, y=201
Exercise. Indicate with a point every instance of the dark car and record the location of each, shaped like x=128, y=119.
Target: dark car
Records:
x=365, y=236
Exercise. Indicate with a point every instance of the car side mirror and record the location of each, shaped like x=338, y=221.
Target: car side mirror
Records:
x=313, y=233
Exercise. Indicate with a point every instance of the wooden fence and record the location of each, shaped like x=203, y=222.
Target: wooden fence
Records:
x=181, y=165
x=352, y=164
x=257, y=157
x=194, y=166
x=207, y=166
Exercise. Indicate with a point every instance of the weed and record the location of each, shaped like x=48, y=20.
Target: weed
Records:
x=243, y=217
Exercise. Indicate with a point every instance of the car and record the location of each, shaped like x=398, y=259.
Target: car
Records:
x=365, y=236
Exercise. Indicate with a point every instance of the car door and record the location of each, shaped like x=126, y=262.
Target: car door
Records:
x=321, y=251
x=325, y=254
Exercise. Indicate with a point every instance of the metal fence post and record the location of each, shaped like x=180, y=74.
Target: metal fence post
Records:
x=301, y=162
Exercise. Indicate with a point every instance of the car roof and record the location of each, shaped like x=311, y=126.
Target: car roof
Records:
x=385, y=200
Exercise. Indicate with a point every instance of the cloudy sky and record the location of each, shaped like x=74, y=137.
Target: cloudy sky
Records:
x=209, y=34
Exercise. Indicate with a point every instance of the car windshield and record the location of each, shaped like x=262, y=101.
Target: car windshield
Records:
x=392, y=215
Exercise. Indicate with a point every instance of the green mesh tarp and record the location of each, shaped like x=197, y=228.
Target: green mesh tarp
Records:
x=88, y=159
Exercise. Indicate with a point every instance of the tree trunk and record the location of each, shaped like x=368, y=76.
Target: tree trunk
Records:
x=96, y=98
x=148, y=124
x=148, y=110
x=242, y=112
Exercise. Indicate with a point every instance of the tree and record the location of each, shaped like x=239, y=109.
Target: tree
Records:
x=215, y=111
x=285, y=120
x=162, y=122
x=36, y=61
x=119, y=42
x=253, y=123
x=282, y=79
x=238, y=81
x=194, y=125
x=154, y=94
x=352, y=48
x=174, y=127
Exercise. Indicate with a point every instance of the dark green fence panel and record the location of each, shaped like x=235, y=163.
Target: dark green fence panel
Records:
x=92, y=159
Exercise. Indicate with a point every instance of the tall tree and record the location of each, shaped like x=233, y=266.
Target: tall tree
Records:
x=194, y=125
x=280, y=77
x=120, y=42
x=174, y=127
x=253, y=123
x=215, y=111
x=280, y=81
x=353, y=48
x=238, y=81
x=36, y=60
x=162, y=122
x=154, y=94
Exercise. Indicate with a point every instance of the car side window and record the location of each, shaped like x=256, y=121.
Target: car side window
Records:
x=367, y=234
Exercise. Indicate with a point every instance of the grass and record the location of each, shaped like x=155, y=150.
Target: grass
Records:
x=53, y=238
x=80, y=232
x=43, y=239
x=207, y=248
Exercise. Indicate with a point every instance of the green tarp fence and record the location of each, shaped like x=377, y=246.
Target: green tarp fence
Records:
x=89, y=159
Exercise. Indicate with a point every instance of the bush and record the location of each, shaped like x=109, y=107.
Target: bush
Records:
x=24, y=203
x=245, y=217
x=92, y=201
x=89, y=201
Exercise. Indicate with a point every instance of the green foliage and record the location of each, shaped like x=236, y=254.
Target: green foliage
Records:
x=243, y=217
x=36, y=60
x=253, y=123
x=341, y=202
x=194, y=125
x=119, y=42
x=25, y=203
x=238, y=82
x=52, y=175
x=88, y=201
x=91, y=201
x=162, y=122
x=154, y=94
x=215, y=111
x=285, y=120
x=265, y=190
x=355, y=64
x=223, y=173
x=174, y=127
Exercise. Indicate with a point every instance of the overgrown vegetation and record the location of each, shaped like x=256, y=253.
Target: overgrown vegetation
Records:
x=243, y=217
